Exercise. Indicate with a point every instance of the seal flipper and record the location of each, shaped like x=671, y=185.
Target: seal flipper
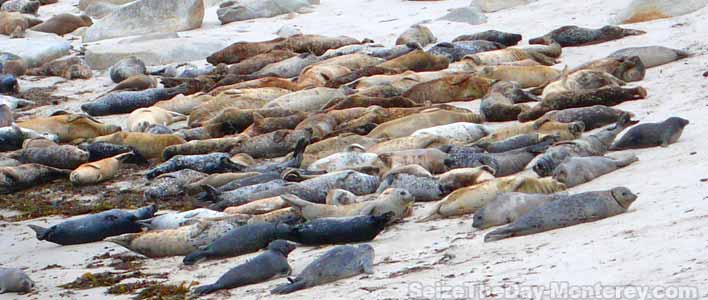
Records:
x=40, y=231
x=498, y=234
x=294, y=285
x=205, y=289
x=195, y=257
x=212, y=195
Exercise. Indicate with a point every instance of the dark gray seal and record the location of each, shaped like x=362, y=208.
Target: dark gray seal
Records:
x=455, y=51
x=608, y=96
x=101, y=150
x=593, y=117
x=205, y=163
x=593, y=145
x=503, y=102
x=504, y=163
x=14, y=179
x=328, y=231
x=338, y=263
x=241, y=240
x=12, y=137
x=9, y=84
x=504, y=38
x=514, y=142
x=573, y=210
x=128, y=101
x=127, y=67
x=508, y=207
x=96, y=227
x=573, y=36
x=57, y=156
x=647, y=135
x=272, y=263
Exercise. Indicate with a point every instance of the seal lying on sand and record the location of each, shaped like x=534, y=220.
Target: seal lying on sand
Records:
x=652, y=134
x=13, y=179
x=508, y=207
x=578, y=170
x=94, y=228
x=573, y=36
x=270, y=264
x=14, y=281
x=568, y=211
x=338, y=263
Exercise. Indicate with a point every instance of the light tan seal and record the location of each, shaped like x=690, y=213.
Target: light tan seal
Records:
x=147, y=145
x=70, y=127
x=140, y=119
x=433, y=117
x=98, y=171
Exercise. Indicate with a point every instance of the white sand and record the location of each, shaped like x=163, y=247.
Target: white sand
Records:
x=660, y=241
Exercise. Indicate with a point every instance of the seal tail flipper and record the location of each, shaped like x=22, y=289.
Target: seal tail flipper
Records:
x=194, y=257
x=205, y=289
x=40, y=231
x=626, y=161
x=295, y=202
x=434, y=213
x=293, y=286
x=498, y=234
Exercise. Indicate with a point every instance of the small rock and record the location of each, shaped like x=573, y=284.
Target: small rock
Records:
x=232, y=11
x=497, y=5
x=288, y=31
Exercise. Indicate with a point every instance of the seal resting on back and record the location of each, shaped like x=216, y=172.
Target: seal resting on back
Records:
x=94, y=228
x=647, y=135
x=573, y=36
x=338, y=263
x=568, y=211
x=272, y=263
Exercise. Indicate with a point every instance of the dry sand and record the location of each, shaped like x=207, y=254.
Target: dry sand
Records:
x=660, y=241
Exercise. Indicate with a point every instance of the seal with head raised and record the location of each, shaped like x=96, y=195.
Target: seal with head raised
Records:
x=14, y=280
x=568, y=211
x=13, y=179
x=94, y=228
x=469, y=199
x=99, y=171
x=578, y=170
x=242, y=240
x=508, y=207
x=647, y=135
x=62, y=24
x=338, y=263
x=651, y=56
x=573, y=36
x=345, y=230
x=272, y=263
x=398, y=201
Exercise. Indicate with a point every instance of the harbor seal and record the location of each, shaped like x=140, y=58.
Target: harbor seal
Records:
x=9, y=84
x=628, y=68
x=349, y=261
x=448, y=89
x=95, y=227
x=99, y=171
x=57, y=156
x=205, y=146
x=242, y=240
x=205, y=163
x=170, y=185
x=578, y=170
x=455, y=51
x=14, y=24
x=127, y=101
x=140, y=119
x=179, y=219
x=430, y=159
x=426, y=187
x=647, y=135
x=508, y=207
x=13, y=137
x=505, y=38
x=469, y=199
x=416, y=34
x=14, y=281
x=73, y=67
x=504, y=163
x=272, y=263
x=126, y=68
x=405, y=126
x=146, y=145
x=255, y=63
x=14, y=179
x=239, y=51
x=353, y=158
x=346, y=230
x=608, y=96
x=573, y=36
x=22, y=6
x=136, y=83
x=582, y=80
x=526, y=76
x=99, y=151
x=70, y=127
x=62, y=24
x=397, y=201
x=573, y=210
x=593, y=145
x=6, y=117
x=504, y=101
x=651, y=56
x=564, y=131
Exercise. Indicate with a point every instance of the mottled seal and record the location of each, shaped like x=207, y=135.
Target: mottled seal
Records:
x=327, y=231
x=578, y=170
x=242, y=240
x=70, y=127
x=647, y=135
x=171, y=185
x=62, y=24
x=94, y=228
x=72, y=67
x=13, y=137
x=504, y=163
x=14, y=24
x=426, y=187
x=23, y=6
x=582, y=80
x=430, y=159
x=450, y=88
x=573, y=36
x=434, y=117
x=565, y=131
x=140, y=119
x=609, y=96
x=651, y=56
x=127, y=67
x=205, y=163
x=98, y=151
x=127, y=101
x=455, y=51
x=593, y=145
x=353, y=158
x=14, y=281
x=505, y=38
x=349, y=261
x=628, y=68
x=99, y=171
x=573, y=210
x=593, y=117
x=272, y=263
x=504, y=101
x=397, y=201
x=508, y=207
x=416, y=34
x=179, y=219
x=57, y=156
x=13, y=179
x=468, y=200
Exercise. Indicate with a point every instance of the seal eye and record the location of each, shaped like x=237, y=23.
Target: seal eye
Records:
x=402, y=193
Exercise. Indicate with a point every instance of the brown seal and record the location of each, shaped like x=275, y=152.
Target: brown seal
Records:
x=62, y=24
x=73, y=67
x=14, y=24
x=145, y=144
x=70, y=127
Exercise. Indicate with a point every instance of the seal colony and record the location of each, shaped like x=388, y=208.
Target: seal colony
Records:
x=313, y=140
